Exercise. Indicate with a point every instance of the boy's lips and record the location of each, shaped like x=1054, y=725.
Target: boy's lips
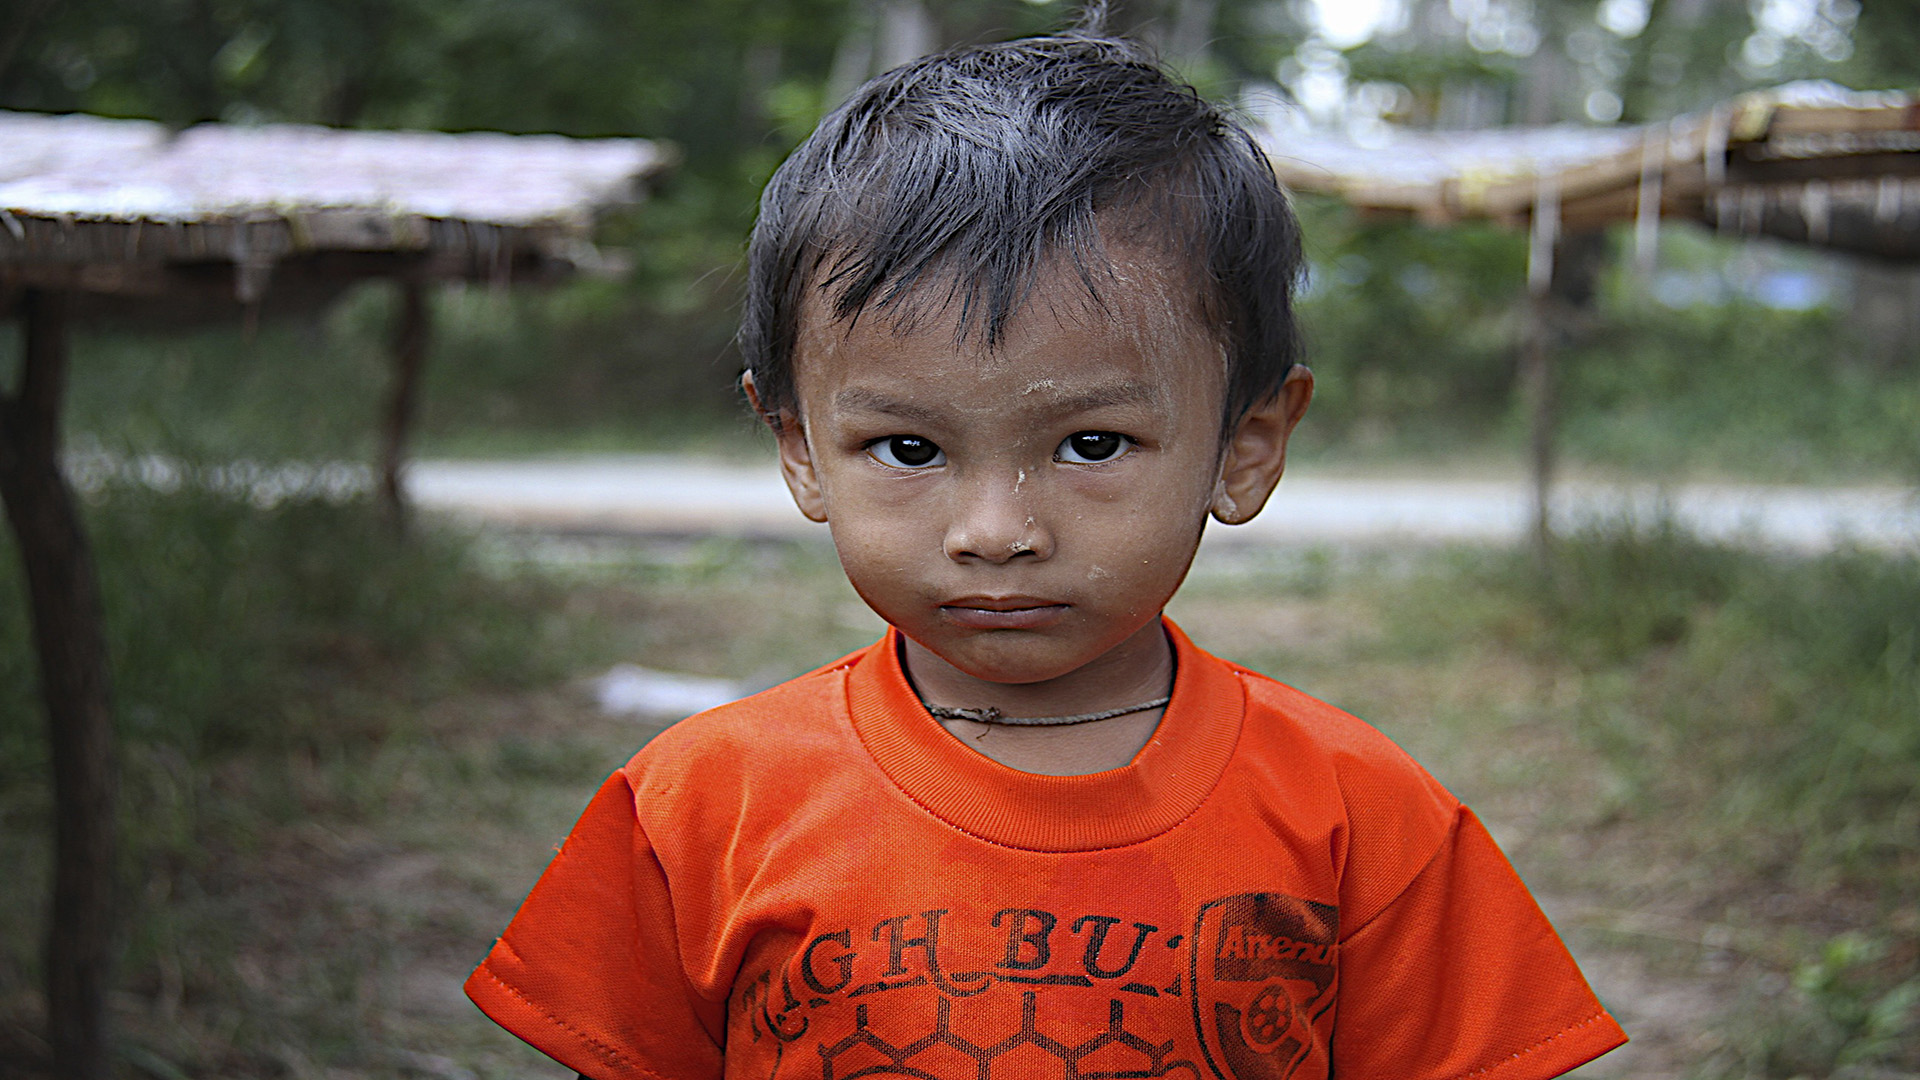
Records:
x=1002, y=612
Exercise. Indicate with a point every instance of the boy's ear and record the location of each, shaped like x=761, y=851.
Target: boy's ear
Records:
x=1257, y=451
x=796, y=457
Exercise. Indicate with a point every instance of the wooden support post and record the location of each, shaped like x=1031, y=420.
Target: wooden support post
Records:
x=1538, y=390
x=409, y=356
x=1536, y=359
x=1564, y=278
x=63, y=593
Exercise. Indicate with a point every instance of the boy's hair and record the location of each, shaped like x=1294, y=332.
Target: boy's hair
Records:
x=969, y=169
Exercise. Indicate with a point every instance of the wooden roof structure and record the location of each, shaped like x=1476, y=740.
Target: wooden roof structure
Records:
x=1811, y=162
x=140, y=220
x=124, y=218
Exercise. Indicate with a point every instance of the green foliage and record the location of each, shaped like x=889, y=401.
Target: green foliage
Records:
x=641, y=367
x=1737, y=389
x=1414, y=331
x=232, y=626
x=222, y=614
x=1413, y=328
x=1887, y=45
x=1414, y=334
x=1617, y=592
x=1850, y=1010
x=287, y=391
x=648, y=363
x=1431, y=72
x=1860, y=1021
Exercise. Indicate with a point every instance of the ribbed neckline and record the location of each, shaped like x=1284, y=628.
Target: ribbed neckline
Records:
x=1165, y=782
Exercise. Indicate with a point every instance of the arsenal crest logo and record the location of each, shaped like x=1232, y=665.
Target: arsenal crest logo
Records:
x=1262, y=973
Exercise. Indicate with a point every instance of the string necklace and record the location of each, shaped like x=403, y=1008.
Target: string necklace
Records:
x=992, y=715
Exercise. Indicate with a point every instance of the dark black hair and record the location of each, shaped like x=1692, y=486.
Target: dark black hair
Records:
x=960, y=173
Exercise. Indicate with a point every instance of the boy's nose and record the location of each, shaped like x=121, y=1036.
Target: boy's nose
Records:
x=995, y=521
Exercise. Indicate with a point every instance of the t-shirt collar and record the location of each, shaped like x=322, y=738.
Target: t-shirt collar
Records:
x=1167, y=781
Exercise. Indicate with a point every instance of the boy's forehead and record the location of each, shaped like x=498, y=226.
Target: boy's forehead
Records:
x=1134, y=343
x=1123, y=290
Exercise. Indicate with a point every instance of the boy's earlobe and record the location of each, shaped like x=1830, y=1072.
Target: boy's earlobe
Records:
x=796, y=457
x=1256, y=453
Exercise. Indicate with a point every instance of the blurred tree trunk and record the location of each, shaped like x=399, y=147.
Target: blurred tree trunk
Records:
x=759, y=73
x=63, y=594
x=1136, y=19
x=1189, y=45
x=906, y=33
x=1885, y=314
x=1547, y=73
x=853, y=57
x=1637, y=82
x=18, y=26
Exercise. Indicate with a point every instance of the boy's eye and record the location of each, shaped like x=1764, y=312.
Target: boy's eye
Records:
x=1092, y=447
x=907, y=452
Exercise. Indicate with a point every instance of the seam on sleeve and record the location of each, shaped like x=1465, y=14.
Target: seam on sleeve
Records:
x=1518, y=1054
x=614, y=1057
x=1453, y=830
x=672, y=918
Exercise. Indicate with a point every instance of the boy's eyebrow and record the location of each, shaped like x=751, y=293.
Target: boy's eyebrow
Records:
x=1130, y=392
x=1120, y=393
x=859, y=397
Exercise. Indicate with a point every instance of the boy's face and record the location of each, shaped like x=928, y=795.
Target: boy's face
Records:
x=1024, y=513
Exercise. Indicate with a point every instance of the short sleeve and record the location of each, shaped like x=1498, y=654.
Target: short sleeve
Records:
x=589, y=970
x=1462, y=976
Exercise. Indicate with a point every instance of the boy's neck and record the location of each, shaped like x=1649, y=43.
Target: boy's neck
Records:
x=1138, y=669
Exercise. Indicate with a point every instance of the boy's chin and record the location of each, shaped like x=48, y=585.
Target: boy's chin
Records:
x=996, y=666
x=1015, y=657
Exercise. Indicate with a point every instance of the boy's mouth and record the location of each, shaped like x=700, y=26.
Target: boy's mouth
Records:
x=1002, y=612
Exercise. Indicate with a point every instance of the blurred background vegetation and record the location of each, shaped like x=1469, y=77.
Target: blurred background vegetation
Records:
x=1704, y=368
x=309, y=708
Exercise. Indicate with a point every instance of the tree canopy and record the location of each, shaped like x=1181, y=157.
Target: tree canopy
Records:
x=733, y=80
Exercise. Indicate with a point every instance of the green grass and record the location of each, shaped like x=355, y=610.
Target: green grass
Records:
x=1756, y=716
x=275, y=672
x=1773, y=698
x=344, y=757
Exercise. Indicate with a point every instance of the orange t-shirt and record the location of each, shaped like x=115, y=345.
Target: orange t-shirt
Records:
x=820, y=881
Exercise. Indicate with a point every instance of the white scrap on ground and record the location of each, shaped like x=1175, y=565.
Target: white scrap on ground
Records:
x=631, y=690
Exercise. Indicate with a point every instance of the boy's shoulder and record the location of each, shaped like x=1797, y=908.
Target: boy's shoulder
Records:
x=1346, y=738
x=1371, y=774
x=778, y=728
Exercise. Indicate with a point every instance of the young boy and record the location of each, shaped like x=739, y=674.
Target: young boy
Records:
x=1020, y=319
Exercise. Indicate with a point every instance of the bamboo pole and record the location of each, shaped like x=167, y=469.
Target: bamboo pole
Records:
x=64, y=597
